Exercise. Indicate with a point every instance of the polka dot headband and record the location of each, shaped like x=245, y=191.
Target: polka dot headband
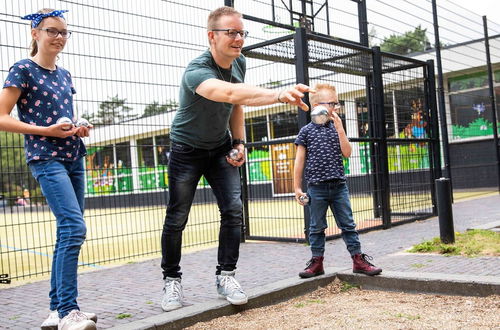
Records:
x=36, y=18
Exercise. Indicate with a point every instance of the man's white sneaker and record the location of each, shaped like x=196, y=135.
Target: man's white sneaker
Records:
x=52, y=321
x=76, y=320
x=172, y=294
x=229, y=288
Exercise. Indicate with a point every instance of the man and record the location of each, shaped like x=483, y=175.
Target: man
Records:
x=208, y=124
x=320, y=147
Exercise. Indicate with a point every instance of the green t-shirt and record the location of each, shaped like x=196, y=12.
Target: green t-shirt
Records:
x=200, y=122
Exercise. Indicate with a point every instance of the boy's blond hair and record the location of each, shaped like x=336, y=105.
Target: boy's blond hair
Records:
x=313, y=97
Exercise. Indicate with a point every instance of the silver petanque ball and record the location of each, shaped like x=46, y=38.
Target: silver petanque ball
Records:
x=65, y=120
x=319, y=115
x=234, y=154
x=304, y=199
x=82, y=122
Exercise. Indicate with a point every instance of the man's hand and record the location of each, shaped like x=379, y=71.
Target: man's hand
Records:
x=241, y=156
x=294, y=95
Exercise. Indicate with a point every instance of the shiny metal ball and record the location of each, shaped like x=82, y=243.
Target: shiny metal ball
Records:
x=234, y=154
x=65, y=120
x=82, y=122
x=319, y=115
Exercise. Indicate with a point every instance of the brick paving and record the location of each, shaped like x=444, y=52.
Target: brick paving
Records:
x=136, y=288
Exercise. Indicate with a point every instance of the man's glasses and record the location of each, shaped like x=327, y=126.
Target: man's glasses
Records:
x=335, y=105
x=233, y=33
x=53, y=33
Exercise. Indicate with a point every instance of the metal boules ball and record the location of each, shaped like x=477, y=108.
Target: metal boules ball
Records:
x=234, y=154
x=65, y=120
x=82, y=122
x=319, y=115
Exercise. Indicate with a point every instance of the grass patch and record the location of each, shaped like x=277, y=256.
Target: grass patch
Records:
x=123, y=316
x=472, y=243
x=407, y=316
x=417, y=265
x=347, y=286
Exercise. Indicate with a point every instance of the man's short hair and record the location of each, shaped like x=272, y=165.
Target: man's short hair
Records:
x=318, y=88
x=214, y=16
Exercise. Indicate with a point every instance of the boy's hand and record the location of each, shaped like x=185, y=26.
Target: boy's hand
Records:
x=298, y=194
x=337, y=122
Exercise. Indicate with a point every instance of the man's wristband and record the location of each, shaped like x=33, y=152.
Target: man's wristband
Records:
x=238, y=141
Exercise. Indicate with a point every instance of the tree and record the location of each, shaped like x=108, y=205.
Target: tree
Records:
x=409, y=42
x=111, y=111
x=16, y=175
x=156, y=108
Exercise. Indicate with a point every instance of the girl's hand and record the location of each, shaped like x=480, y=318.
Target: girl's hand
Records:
x=61, y=130
x=83, y=131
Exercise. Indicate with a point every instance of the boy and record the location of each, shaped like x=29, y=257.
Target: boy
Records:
x=320, y=148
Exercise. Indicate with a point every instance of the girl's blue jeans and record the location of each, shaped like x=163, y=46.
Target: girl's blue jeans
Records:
x=63, y=185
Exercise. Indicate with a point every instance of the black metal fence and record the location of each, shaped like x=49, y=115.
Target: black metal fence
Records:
x=387, y=109
x=126, y=60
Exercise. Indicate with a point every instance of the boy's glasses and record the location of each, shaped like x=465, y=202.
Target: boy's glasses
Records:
x=335, y=105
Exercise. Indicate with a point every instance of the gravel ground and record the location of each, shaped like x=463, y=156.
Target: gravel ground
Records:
x=339, y=307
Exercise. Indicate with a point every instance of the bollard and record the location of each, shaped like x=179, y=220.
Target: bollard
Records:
x=445, y=213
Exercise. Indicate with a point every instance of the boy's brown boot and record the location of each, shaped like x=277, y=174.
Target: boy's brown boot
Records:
x=314, y=268
x=360, y=264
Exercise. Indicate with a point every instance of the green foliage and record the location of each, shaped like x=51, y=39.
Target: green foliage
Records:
x=471, y=243
x=111, y=111
x=123, y=316
x=409, y=42
x=156, y=108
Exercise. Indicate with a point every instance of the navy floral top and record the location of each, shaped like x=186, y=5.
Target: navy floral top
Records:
x=323, y=152
x=45, y=97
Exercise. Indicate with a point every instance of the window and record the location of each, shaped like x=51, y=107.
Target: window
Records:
x=145, y=152
x=162, y=149
x=283, y=124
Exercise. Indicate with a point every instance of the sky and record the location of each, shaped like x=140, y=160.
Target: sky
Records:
x=490, y=8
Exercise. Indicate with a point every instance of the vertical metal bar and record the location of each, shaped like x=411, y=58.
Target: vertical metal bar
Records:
x=434, y=149
x=440, y=89
x=245, y=232
x=362, y=22
x=492, y=97
x=302, y=74
x=327, y=18
x=273, y=11
x=381, y=146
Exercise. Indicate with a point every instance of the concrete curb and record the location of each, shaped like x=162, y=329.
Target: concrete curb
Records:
x=289, y=288
x=257, y=297
x=460, y=285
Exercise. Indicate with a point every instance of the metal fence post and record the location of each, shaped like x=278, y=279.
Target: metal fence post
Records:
x=445, y=213
x=302, y=74
x=492, y=96
x=434, y=148
x=380, y=135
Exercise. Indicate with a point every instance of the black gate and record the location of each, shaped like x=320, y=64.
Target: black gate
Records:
x=389, y=112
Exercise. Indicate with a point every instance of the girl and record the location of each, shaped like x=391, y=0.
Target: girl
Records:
x=43, y=93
